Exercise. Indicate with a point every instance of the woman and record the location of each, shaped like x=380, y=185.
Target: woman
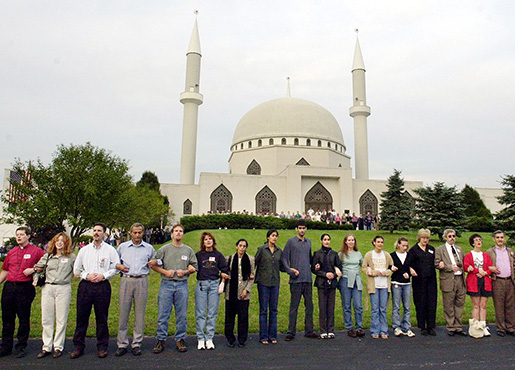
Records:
x=56, y=293
x=479, y=282
x=350, y=286
x=326, y=266
x=268, y=267
x=378, y=266
x=401, y=289
x=422, y=268
x=211, y=264
x=237, y=293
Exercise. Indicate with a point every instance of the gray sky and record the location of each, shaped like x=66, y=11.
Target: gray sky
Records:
x=440, y=79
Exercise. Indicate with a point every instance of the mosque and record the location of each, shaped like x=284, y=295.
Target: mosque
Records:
x=287, y=155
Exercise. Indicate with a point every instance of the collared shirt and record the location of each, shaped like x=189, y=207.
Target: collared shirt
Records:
x=59, y=269
x=101, y=260
x=351, y=265
x=268, y=265
x=502, y=261
x=176, y=258
x=19, y=259
x=136, y=257
x=449, y=247
x=297, y=255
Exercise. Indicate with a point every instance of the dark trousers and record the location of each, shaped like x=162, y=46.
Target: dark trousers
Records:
x=16, y=301
x=97, y=296
x=425, y=299
x=326, y=309
x=297, y=291
x=240, y=308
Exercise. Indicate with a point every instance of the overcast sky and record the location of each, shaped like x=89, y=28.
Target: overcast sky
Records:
x=440, y=79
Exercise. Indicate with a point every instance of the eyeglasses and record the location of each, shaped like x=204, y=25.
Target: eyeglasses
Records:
x=451, y=236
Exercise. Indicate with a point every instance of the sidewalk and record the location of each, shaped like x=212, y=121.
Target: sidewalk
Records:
x=437, y=352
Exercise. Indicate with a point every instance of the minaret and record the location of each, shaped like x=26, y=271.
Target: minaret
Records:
x=191, y=98
x=359, y=111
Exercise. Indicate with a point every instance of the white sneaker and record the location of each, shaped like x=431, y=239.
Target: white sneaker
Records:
x=486, y=331
x=409, y=333
x=210, y=344
x=330, y=335
x=398, y=332
x=323, y=335
x=201, y=345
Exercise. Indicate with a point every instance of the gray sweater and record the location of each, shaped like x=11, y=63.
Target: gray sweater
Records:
x=297, y=255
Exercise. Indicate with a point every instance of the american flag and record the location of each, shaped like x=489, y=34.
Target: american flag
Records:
x=15, y=194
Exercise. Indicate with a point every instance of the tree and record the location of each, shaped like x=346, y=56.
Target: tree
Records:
x=439, y=208
x=478, y=217
x=82, y=185
x=505, y=218
x=395, y=206
x=150, y=180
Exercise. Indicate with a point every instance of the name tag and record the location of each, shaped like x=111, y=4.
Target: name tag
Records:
x=430, y=251
x=184, y=258
x=64, y=260
x=212, y=259
x=26, y=256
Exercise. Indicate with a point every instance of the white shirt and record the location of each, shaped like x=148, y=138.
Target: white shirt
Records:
x=478, y=259
x=379, y=261
x=451, y=255
x=101, y=260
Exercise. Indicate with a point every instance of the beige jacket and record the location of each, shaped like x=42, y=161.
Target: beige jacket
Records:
x=367, y=262
x=242, y=284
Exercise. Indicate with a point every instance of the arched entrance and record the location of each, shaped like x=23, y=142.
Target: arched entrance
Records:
x=221, y=200
x=318, y=198
x=368, y=203
x=266, y=201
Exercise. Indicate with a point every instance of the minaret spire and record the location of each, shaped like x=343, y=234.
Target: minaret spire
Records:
x=359, y=111
x=191, y=98
x=288, y=91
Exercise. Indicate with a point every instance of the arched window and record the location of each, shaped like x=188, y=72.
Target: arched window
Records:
x=296, y=141
x=308, y=142
x=266, y=201
x=368, y=203
x=260, y=142
x=241, y=146
x=328, y=144
x=254, y=168
x=319, y=142
x=318, y=198
x=186, y=207
x=250, y=144
x=271, y=142
x=221, y=200
x=283, y=141
x=336, y=146
x=302, y=162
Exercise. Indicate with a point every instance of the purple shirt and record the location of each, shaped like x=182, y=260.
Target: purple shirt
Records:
x=502, y=260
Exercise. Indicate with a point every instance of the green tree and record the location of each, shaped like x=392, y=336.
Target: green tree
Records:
x=395, y=206
x=505, y=218
x=478, y=217
x=150, y=180
x=439, y=207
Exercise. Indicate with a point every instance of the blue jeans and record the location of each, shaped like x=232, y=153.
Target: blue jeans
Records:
x=379, y=301
x=351, y=295
x=172, y=294
x=401, y=293
x=206, y=297
x=268, y=302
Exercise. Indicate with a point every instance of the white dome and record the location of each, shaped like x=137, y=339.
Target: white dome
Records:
x=288, y=117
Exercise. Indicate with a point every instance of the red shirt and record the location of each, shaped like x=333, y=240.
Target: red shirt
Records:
x=18, y=259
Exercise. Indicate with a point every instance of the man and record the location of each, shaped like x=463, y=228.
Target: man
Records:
x=175, y=262
x=95, y=265
x=134, y=257
x=18, y=292
x=503, y=278
x=296, y=260
x=449, y=260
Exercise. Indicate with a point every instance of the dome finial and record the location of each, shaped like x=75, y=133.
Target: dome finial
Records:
x=196, y=13
x=288, y=92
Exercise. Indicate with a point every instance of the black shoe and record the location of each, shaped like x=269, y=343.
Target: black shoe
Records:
x=241, y=345
x=462, y=333
x=512, y=333
x=360, y=333
x=289, y=338
x=21, y=354
x=43, y=353
x=231, y=344
x=352, y=333
x=312, y=335
x=431, y=332
x=120, y=352
x=136, y=351
x=159, y=347
x=424, y=332
x=5, y=352
x=501, y=333
x=451, y=333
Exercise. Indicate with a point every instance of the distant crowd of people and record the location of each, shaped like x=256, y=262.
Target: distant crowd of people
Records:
x=477, y=273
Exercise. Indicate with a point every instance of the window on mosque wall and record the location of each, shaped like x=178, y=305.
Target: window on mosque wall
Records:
x=266, y=201
x=368, y=203
x=328, y=144
x=221, y=200
x=271, y=142
x=296, y=141
x=283, y=141
x=186, y=207
x=260, y=142
x=241, y=146
x=308, y=142
x=336, y=146
x=254, y=168
x=319, y=142
x=318, y=198
x=250, y=144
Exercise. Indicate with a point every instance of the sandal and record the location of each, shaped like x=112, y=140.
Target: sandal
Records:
x=384, y=336
x=265, y=342
x=273, y=341
x=375, y=336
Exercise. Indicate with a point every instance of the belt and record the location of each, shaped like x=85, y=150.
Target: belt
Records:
x=134, y=276
x=506, y=278
x=19, y=283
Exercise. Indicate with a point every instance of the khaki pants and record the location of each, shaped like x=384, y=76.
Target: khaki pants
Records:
x=132, y=290
x=55, y=306
x=453, y=304
x=504, y=304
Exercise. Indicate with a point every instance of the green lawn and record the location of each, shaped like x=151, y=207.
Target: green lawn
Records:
x=226, y=240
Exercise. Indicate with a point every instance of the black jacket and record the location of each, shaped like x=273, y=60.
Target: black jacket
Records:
x=333, y=261
x=397, y=276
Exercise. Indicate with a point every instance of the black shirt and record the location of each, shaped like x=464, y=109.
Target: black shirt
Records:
x=423, y=262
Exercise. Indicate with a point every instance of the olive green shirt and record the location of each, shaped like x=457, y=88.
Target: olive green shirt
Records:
x=176, y=258
x=59, y=270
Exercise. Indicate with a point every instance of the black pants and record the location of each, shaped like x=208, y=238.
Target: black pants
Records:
x=297, y=291
x=16, y=301
x=425, y=299
x=240, y=308
x=97, y=296
x=326, y=299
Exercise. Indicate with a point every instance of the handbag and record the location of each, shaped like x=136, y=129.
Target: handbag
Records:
x=41, y=278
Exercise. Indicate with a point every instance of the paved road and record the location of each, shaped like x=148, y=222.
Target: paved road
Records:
x=420, y=352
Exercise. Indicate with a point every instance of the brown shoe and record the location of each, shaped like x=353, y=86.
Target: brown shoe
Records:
x=181, y=346
x=43, y=353
x=57, y=353
x=352, y=333
x=102, y=354
x=360, y=333
x=159, y=347
x=76, y=354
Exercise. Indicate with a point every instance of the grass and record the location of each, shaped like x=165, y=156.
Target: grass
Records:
x=226, y=240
